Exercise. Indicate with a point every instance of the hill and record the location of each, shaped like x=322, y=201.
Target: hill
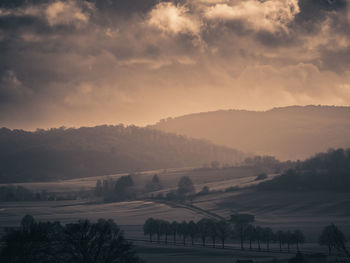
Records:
x=72, y=153
x=324, y=171
x=294, y=132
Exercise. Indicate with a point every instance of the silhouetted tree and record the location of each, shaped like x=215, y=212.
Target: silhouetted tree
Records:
x=212, y=231
x=280, y=238
x=150, y=228
x=332, y=237
x=32, y=243
x=251, y=234
x=183, y=230
x=205, y=190
x=165, y=229
x=223, y=231
x=203, y=229
x=97, y=242
x=267, y=236
x=288, y=239
x=299, y=238
x=241, y=222
x=122, y=188
x=174, y=229
x=185, y=186
x=81, y=242
x=154, y=185
x=158, y=228
x=98, y=188
x=259, y=235
x=192, y=230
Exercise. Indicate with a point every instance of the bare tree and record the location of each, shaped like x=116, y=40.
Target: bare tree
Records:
x=241, y=223
x=223, y=231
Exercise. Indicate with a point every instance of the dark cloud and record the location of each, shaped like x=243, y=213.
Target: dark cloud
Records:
x=314, y=12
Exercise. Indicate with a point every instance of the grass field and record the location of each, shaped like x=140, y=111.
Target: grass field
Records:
x=215, y=179
x=159, y=254
x=309, y=212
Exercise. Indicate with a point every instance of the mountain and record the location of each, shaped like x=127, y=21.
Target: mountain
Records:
x=324, y=171
x=71, y=153
x=294, y=132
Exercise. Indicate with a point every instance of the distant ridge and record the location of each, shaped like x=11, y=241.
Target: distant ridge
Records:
x=90, y=151
x=293, y=132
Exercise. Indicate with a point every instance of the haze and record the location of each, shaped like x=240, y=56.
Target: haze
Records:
x=79, y=63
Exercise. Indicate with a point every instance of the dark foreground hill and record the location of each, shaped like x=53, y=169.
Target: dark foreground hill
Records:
x=324, y=171
x=71, y=153
x=287, y=133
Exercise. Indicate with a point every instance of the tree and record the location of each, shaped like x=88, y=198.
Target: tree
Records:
x=154, y=185
x=212, y=230
x=299, y=238
x=332, y=237
x=27, y=223
x=259, y=235
x=185, y=186
x=97, y=242
x=32, y=243
x=203, y=229
x=223, y=231
x=288, y=239
x=280, y=238
x=174, y=229
x=149, y=228
x=79, y=242
x=183, y=230
x=156, y=182
x=158, y=228
x=250, y=234
x=165, y=229
x=98, y=188
x=267, y=236
x=241, y=222
x=122, y=188
x=205, y=190
x=192, y=230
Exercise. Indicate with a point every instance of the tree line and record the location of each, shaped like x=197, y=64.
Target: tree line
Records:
x=66, y=153
x=324, y=171
x=80, y=242
x=238, y=227
x=124, y=189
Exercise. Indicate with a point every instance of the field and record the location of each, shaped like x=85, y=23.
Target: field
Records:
x=159, y=254
x=309, y=212
x=215, y=179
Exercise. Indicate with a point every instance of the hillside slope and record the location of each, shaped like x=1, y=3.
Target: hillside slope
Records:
x=324, y=171
x=293, y=132
x=72, y=153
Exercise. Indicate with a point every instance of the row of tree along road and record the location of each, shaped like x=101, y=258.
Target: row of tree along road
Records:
x=239, y=228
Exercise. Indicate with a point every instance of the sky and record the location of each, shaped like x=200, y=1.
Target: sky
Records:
x=82, y=63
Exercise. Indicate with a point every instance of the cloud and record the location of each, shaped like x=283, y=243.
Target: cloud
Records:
x=55, y=13
x=174, y=19
x=65, y=13
x=74, y=63
x=11, y=88
x=270, y=15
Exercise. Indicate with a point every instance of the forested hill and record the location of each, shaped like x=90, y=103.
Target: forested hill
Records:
x=71, y=153
x=294, y=132
x=325, y=171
